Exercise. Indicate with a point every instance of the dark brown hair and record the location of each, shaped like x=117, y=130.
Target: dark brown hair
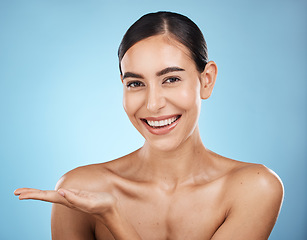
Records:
x=178, y=26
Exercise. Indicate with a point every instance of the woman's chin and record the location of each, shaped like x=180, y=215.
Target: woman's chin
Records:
x=163, y=145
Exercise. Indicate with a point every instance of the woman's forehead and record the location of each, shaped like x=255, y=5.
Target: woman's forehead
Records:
x=156, y=52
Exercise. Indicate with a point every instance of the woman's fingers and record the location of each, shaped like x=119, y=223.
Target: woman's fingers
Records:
x=21, y=190
x=90, y=202
x=78, y=199
x=43, y=195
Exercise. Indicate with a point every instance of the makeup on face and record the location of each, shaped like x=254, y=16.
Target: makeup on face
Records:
x=161, y=91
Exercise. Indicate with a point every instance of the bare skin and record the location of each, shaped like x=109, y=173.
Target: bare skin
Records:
x=173, y=187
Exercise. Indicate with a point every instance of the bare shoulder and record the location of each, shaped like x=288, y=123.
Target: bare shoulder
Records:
x=254, y=197
x=94, y=177
x=244, y=177
x=256, y=177
x=254, y=187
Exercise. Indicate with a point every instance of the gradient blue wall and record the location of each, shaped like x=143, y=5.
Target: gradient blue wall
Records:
x=61, y=96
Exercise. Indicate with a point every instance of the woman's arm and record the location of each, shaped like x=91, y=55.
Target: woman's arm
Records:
x=78, y=214
x=70, y=214
x=67, y=223
x=255, y=205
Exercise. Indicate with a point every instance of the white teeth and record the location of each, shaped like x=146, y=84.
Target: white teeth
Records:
x=162, y=123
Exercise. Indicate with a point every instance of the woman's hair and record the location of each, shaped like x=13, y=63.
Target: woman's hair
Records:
x=180, y=27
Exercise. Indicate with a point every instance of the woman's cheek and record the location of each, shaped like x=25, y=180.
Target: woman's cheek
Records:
x=131, y=103
x=187, y=98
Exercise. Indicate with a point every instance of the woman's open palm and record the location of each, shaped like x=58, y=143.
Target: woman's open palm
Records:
x=96, y=203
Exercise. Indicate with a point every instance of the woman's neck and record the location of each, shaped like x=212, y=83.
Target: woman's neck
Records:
x=176, y=166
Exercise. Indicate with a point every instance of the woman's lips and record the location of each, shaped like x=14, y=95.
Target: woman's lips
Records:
x=161, y=125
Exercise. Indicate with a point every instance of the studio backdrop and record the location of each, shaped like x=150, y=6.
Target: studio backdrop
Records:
x=61, y=95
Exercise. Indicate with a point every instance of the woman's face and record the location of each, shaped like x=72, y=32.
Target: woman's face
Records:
x=161, y=91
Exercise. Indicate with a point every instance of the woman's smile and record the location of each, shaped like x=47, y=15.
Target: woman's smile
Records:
x=161, y=125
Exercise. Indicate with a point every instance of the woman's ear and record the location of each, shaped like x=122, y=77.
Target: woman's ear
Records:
x=208, y=77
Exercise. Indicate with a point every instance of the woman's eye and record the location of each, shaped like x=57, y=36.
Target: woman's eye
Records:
x=171, y=80
x=134, y=84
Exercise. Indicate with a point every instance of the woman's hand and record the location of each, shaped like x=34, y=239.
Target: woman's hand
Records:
x=102, y=205
x=95, y=203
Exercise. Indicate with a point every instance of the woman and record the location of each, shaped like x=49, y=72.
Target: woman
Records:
x=173, y=187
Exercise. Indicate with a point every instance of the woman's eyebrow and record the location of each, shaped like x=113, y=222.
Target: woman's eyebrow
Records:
x=160, y=73
x=132, y=75
x=168, y=70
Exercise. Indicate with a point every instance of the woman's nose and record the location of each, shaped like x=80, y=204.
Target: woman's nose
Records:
x=155, y=99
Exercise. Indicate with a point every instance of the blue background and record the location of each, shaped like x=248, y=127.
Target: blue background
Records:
x=61, y=96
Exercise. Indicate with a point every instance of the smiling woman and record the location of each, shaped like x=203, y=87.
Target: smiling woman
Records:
x=173, y=187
